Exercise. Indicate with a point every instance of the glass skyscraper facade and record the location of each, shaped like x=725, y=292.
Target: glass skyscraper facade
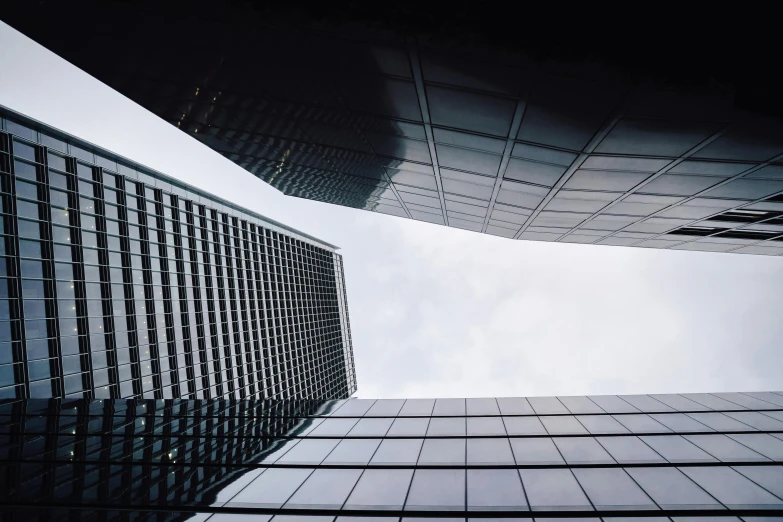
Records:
x=168, y=355
x=117, y=281
x=479, y=122
x=687, y=457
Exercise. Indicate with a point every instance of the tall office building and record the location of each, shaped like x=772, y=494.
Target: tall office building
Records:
x=530, y=128
x=117, y=281
x=681, y=458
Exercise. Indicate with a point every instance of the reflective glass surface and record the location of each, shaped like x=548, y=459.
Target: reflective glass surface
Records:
x=253, y=458
x=511, y=140
x=130, y=284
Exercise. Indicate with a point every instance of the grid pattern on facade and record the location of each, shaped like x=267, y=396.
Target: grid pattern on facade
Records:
x=345, y=325
x=714, y=456
x=487, y=141
x=120, y=282
x=93, y=449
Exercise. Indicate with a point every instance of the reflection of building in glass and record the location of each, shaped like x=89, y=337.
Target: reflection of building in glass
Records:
x=469, y=121
x=118, y=281
x=715, y=456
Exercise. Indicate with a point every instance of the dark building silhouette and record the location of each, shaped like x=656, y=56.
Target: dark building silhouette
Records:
x=686, y=457
x=529, y=127
x=119, y=282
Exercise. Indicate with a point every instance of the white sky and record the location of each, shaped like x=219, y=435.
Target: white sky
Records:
x=441, y=312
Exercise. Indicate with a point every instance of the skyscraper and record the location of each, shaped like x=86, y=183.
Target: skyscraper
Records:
x=681, y=458
x=487, y=123
x=118, y=281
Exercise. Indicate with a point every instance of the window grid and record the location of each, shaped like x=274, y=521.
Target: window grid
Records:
x=166, y=292
x=257, y=457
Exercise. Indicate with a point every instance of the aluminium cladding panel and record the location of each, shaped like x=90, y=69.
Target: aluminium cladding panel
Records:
x=117, y=281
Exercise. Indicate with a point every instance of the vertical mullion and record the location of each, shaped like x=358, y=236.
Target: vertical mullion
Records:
x=229, y=304
x=169, y=352
x=213, y=363
x=221, y=310
x=198, y=280
x=79, y=283
x=53, y=342
x=184, y=338
x=264, y=312
x=149, y=296
x=18, y=292
x=249, y=311
x=132, y=328
x=106, y=293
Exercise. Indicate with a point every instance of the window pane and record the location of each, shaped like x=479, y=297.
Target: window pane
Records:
x=486, y=406
x=580, y=405
x=671, y=489
x=495, y=490
x=629, y=450
x=327, y=407
x=443, y=451
x=768, y=477
x=763, y=443
x=334, y=427
x=437, y=490
x=680, y=422
x=645, y=403
x=756, y=420
x=368, y=519
x=719, y=422
x=309, y=451
x=564, y=425
x=554, y=489
x=654, y=519
x=770, y=397
x=547, y=405
x=385, y=408
x=746, y=400
x=524, y=426
x=596, y=424
x=711, y=401
x=612, y=489
x=230, y=490
x=582, y=450
x=489, y=451
x=641, y=424
x=235, y=517
x=447, y=426
x=486, y=426
x=535, y=451
x=679, y=403
x=397, y=451
x=408, y=427
x=354, y=408
x=514, y=406
x=358, y=451
x=723, y=448
x=676, y=449
x=612, y=404
x=732, y=489
x=417, y=408
x=305, y=426
x=273, y=487
x=444, y=407
x=380, y=489
x=370, y=428
x=325, y=489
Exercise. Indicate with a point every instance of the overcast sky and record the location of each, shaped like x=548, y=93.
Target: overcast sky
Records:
x=442, y=312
